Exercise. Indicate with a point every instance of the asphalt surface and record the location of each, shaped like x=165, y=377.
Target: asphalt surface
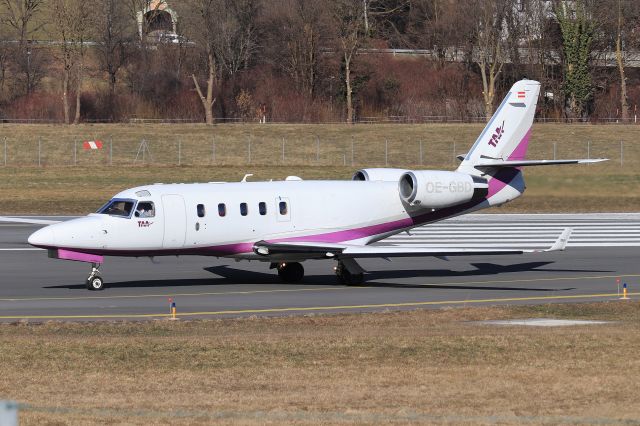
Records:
x=36, y=288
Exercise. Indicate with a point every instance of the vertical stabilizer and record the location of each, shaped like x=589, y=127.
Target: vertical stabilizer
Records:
x=506, y=136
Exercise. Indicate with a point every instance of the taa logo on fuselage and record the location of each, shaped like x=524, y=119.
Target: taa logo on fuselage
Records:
x=144, y=224
x=497, y=135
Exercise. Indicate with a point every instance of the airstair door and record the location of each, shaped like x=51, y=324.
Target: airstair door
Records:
x=175, y=221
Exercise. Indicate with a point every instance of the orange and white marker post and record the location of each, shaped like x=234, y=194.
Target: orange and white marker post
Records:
x=618, y=284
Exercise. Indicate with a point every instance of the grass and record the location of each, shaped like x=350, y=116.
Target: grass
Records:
x=190, y=153
x=429, y=366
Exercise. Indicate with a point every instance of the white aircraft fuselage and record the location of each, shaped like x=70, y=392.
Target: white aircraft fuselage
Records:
x=289, y=221
x=351, y=212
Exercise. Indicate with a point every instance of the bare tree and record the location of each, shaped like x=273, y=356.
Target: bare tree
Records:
x=618, y=31
x=71, y=28
x=490, y=53
x=114, y=39
x=298, y=33
x=5, y=55
x=440, y=25
x=20, y=16
x=348, y=19
x=624, y=103
x=236, y=42
x=203, y=24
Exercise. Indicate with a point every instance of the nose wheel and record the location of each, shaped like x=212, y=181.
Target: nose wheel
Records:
x=95, y=281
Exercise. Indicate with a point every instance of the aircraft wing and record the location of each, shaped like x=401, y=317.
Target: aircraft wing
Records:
x=31, y=221
x=310, y=250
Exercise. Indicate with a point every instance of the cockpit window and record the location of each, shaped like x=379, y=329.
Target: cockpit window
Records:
x=121, y=208
x=145, y=209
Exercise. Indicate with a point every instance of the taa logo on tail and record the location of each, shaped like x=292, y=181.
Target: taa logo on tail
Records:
x=497, y=135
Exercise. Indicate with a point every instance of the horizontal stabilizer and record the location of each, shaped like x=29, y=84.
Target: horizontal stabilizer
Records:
x=486, y=163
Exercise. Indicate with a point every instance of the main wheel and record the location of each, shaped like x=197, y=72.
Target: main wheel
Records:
x=96, y=283
x=348, y=278
x=291, y=272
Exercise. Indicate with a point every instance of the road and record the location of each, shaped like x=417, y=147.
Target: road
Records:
x=604, y=247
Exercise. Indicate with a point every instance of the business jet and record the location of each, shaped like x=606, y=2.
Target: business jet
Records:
x=287, y=222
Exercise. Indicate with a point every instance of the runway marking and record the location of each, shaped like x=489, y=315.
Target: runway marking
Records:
x=425, y=285
x=138, y=296
x=320, y=308
x=21, y=249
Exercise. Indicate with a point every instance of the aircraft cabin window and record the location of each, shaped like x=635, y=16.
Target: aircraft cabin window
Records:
x=145, y=209
x=262, y=207
x=222, y=210
x=121, y=208
x=201, y=210
x=244, y=210
x=283, y=208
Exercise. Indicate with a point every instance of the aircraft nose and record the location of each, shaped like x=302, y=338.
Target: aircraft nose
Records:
x=42, y=237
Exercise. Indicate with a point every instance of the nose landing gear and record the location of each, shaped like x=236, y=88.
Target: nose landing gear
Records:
x=94, y=281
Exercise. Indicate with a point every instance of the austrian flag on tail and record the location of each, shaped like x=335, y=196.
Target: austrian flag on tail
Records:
x=521, y=95
x=92, y=144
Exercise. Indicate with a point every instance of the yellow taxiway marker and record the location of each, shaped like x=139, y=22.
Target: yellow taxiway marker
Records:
x=321, y=308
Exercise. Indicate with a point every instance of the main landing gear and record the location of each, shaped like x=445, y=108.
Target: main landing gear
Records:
x=95, y=281
x=289, y=272
x=349, y=274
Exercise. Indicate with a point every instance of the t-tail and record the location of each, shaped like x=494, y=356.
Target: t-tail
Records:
x=500, y=151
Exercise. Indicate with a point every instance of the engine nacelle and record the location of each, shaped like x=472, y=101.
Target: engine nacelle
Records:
x=379, y=174
x=438, y=189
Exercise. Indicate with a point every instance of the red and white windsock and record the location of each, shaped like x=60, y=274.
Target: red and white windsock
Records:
x=92, y=144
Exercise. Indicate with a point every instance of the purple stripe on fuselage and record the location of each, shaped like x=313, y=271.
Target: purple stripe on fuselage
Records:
x=78, y=256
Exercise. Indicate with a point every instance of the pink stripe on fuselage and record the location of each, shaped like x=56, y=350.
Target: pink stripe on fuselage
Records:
x=501, y=179
x=79, y=257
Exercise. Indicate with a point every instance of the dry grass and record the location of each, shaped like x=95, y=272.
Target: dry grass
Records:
x=28, y=189
x=403, y=367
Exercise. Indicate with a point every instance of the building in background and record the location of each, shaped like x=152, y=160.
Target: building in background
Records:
x=158, y=22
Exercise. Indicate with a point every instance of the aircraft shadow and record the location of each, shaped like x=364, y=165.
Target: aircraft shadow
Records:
x=231, y=276
x=227, y=275
x=481, y=269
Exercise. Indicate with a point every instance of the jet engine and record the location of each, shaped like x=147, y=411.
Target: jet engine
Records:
x=438, y=189
x=379, y=174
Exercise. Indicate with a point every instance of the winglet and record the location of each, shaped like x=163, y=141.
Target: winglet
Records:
x=562, y=240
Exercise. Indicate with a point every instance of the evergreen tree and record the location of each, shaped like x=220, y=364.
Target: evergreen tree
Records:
x=577, y=31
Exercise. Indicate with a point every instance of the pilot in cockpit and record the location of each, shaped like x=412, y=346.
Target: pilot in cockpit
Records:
x=145, y=210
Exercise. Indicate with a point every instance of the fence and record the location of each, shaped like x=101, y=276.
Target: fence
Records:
x=283, y=151
x=396, y=119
